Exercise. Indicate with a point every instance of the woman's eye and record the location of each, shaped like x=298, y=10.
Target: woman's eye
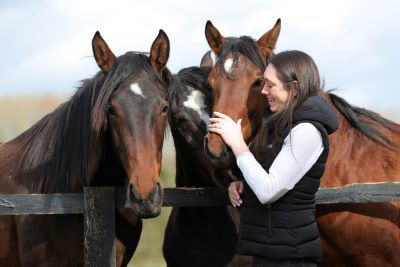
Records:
x=269, y=85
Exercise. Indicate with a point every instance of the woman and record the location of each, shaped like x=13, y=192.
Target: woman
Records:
x=283, y=170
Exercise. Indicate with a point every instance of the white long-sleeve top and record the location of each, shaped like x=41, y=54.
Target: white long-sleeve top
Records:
x=300, y=150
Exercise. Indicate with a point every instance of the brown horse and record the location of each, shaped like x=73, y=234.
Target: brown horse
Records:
x=206, y=235
x=363, y=150
x=238, y=73
x=110, y=133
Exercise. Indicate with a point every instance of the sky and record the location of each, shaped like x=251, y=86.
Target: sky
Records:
x=46, y=45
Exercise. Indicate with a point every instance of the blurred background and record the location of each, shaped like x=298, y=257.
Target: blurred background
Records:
x=46, y=50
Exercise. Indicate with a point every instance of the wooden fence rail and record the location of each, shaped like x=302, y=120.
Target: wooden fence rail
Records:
x=97, y=204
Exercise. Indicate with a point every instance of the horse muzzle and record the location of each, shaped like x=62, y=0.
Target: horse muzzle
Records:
x=217, y=152
x=149, y=207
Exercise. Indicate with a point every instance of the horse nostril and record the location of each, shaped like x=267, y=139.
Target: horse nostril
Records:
x=205, y=141
x=224, y=150
x=133, y=195
x=155, y=192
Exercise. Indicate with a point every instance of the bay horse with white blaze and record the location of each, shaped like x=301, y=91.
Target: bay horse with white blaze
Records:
x=365, y=149
x=206, y=235
x=110, y=133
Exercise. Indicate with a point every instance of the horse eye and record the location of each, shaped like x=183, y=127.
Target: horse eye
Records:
x=258, y=83
x=111, y=110
x=165, y=109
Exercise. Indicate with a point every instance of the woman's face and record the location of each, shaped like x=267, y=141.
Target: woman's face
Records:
x=274, y=89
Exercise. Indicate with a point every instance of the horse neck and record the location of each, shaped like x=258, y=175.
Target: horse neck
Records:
x=110, y=171
x=192, y=172
x=353, y=158
x=10, y=154
x=192, y=169
x=61, y=152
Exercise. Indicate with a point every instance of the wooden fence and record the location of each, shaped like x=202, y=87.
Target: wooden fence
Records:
x=97, y=205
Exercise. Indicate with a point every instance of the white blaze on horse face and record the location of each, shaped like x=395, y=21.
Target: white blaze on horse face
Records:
x=135, y=88
x=213, y=58
x=228, y=65
x=195, y=101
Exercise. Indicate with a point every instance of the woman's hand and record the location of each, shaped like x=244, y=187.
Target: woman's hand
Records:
x=230, y=132
x=234, y=190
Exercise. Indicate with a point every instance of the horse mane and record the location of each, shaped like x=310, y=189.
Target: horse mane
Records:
x=244, y=45
x=65, y=148
x=352, y=115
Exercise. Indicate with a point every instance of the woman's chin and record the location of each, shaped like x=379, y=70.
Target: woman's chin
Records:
x=273, y=109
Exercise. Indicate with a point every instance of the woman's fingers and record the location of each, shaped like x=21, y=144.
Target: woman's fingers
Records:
x=216, y=125
x=216, y=130
x=235, y=202
x=234, y=191
x=221, y=115
x=234, y=195
x=217, y=119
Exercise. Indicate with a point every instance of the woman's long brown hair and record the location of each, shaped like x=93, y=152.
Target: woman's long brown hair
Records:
x=290, y=66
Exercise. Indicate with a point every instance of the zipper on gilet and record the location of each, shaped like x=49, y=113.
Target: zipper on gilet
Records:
x=269, y=221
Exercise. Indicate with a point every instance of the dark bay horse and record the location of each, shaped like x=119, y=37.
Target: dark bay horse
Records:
x=197, y=236
x=110, y=133
x=365, y=149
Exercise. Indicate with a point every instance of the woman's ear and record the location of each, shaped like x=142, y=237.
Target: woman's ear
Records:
x=295, y=87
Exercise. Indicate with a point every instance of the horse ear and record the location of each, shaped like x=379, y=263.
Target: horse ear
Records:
x=267, y=42
x=102, y=53
x=159, y=52
x=208, y=60
x=214, y=38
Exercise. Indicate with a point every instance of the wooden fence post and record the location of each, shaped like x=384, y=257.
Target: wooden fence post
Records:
x=99, y=226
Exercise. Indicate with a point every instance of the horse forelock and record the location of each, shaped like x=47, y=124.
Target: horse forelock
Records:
x=244, y=45
x=65, y=148
x=126, y=66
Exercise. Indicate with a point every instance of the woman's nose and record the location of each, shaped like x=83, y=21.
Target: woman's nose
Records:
x=265, y=91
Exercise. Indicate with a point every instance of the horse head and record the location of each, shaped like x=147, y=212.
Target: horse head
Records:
x=236, y=79
x=190, y=106
x=190, y=110
x=136, y=118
